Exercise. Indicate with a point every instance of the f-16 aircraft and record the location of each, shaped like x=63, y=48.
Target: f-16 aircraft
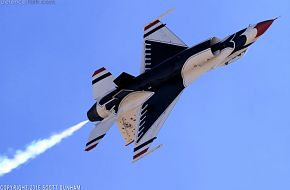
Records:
x=140, y=104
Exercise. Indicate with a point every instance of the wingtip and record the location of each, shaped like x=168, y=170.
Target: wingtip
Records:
x=145, y=152
x=157, y=20
x=140, y=154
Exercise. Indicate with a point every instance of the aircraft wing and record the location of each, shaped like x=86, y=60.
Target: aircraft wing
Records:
x=159, y=38
x=153, y=114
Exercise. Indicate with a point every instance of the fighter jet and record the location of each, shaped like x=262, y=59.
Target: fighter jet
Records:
x=140, y=104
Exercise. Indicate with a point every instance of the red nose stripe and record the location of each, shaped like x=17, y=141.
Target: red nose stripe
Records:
x=262, y=27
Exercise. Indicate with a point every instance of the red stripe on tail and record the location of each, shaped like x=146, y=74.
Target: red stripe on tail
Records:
x=98, y=71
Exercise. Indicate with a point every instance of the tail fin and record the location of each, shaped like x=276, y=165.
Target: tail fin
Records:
x=102, y=81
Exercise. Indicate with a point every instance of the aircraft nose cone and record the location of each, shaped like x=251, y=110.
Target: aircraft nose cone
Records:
x=263, y=26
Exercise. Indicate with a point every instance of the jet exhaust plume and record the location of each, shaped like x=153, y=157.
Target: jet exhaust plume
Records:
x=35, y=148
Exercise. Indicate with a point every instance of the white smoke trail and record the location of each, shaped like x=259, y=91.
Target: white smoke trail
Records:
x=34, y=149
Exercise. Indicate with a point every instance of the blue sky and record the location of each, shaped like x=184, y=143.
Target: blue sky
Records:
x=229, y=130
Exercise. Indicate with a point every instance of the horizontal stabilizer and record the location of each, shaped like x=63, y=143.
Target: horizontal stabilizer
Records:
x=98, y=132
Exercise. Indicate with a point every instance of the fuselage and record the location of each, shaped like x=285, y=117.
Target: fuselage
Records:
x=182, y=69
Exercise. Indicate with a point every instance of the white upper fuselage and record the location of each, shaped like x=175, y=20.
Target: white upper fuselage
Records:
x=206, y=60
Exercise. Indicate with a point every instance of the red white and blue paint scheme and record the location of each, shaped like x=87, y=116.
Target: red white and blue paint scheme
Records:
x=141, y=104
